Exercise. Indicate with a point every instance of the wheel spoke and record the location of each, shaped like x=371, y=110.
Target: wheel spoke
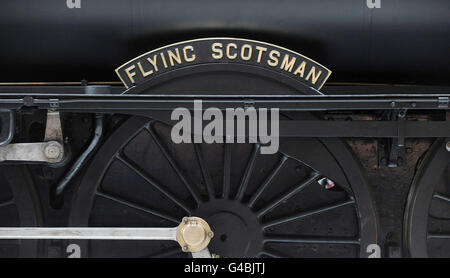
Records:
x=308, y=213
x=311, y=239
x=271, y=254
x=205, y=174
x=166, y=253
x=288, y=194
x=6, y=203
x=264, y=185
x=226, y=170
x=138, y=207
x=247, y=173
x=151, y=181
x=441, y=197
x=438, y=236
x=173, y=164
x=438, y=217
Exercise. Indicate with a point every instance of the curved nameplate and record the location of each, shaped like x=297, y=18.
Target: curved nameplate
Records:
x=223, y=51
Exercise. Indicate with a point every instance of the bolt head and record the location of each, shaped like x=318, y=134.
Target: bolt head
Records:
x=210, y=234
x=52, y=151
x=447, y=146
x=185, y=248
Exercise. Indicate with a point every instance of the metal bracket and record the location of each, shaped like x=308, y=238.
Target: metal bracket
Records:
x=54, y=104
x=50, y=151
x=53, y=130
x=401, y=127
x=443, y=102
x=396, y=143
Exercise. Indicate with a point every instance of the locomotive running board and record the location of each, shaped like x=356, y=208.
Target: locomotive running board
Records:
x=156, y=106
x=106, y=103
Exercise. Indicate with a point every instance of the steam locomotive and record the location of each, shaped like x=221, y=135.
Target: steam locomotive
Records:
x=91, y=93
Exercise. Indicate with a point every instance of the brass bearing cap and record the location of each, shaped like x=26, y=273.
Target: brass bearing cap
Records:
x=193, y=234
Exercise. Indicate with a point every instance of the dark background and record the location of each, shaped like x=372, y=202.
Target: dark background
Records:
x=404, y=41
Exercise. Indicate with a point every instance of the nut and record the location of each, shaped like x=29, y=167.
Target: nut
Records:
x=52, y=150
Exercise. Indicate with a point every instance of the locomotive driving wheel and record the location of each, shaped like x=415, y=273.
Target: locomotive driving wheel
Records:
x=309, y=199
x=300, y=202
x=427, y=218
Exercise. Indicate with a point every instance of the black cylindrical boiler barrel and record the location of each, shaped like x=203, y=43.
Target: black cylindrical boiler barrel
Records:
x=402, y=41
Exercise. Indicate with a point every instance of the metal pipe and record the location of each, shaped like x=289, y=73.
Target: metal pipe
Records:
x=7, y=127
x=83, y=157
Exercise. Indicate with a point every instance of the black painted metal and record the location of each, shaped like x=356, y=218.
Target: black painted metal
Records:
x=403, y=41
x=6, y=127
x=108, y=103
x=152, y=105
x=249, y=219
x=83, y=158
x=426, y=223
x=19, y=206
x=238, y=191
x=353, y=89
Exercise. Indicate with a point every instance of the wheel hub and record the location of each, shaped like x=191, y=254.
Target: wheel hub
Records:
x=193, y=234
x=238, y=232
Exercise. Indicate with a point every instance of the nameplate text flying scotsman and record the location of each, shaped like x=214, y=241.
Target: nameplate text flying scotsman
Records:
x=223, y=51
